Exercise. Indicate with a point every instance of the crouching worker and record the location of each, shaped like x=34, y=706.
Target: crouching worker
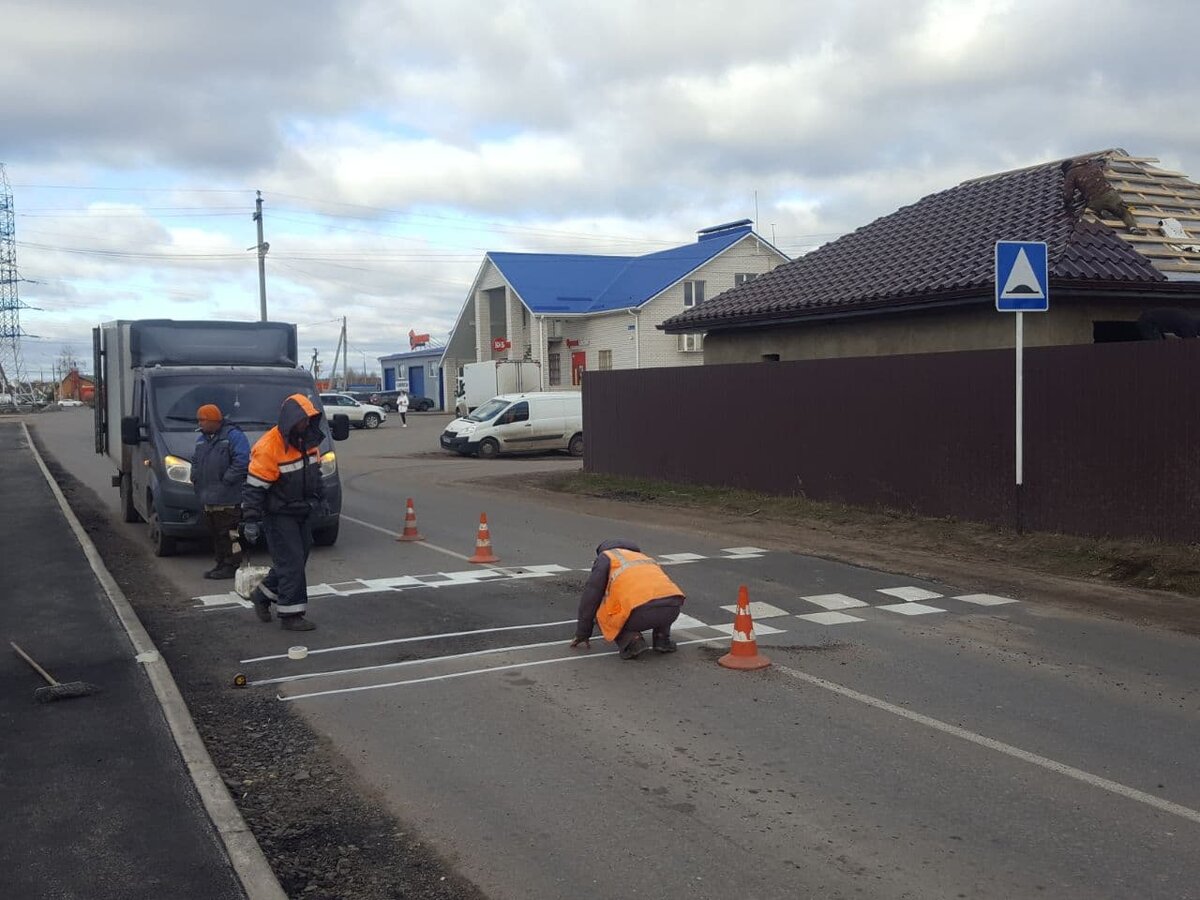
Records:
x=283, y=492
x=626, y=594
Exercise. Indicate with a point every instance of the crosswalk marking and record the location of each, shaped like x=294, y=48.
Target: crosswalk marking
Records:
x=834, y=601
x=910, y=594
x=760, y=610
x=911, y=609
x=830, y=618
x=985, y=599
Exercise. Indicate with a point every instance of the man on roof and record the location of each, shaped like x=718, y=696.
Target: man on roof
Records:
x=1086, y=176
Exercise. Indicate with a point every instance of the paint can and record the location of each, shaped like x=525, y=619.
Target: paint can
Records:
x=297, y=652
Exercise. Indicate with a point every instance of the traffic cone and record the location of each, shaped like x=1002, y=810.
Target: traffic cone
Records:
x=483, y=544
x=410, y=525
x=743, y=652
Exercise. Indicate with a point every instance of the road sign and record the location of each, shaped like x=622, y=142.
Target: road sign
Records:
x=1022, y=277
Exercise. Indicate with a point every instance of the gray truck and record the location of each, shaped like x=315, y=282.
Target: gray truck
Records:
x=151, y=377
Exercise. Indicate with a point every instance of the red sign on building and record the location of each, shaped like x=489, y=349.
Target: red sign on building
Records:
x=500, y=343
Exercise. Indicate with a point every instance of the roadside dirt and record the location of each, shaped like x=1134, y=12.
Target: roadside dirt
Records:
x=1115, y=579
x=322, y=832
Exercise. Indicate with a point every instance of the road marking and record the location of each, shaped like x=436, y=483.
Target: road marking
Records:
x=830, y=618
x=760, y=610
x=417, y=637
x=834, y=601
x=911, y=594
x=396, y=534
x=985, y=599
x=910, y=609
x=304, y=676
x=760, y=630
x=1035, y=759
x=578, y=657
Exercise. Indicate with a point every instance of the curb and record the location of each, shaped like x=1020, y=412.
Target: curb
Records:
x=245, y=855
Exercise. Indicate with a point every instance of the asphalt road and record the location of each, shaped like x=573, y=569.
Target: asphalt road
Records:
x=1010, y=750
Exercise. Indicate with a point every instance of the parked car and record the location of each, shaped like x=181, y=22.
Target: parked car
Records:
x=385, y=399
x=361, y=415
x=420, y=404
x=514, y=423
x=70, y=403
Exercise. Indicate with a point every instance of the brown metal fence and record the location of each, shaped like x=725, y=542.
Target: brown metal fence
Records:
x=1112, y=433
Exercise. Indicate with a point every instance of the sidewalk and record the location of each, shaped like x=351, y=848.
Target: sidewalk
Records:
x=98, y=802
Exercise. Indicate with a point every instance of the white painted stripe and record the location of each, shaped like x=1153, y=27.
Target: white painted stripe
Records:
x=912, y=594
x=747, y=551
x=407, y=662
x=417, y=637
x=985, y=599
x=396, y=534
x=910, y=609
x=834, y=601
x=759, y=629
x=577, y=657
x=1035, y=759
x=287, y=609
x=830, y=618
x=686, y=621
x=760, y=610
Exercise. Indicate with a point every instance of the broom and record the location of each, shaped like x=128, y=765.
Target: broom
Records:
x=55, y=690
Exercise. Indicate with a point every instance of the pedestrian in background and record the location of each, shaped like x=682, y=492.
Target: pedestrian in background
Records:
x=283, y=493
x=627, y=593
x=402, y=408
x=219, y=464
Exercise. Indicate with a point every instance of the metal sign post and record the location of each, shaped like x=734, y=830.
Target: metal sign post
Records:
x=1022, y=285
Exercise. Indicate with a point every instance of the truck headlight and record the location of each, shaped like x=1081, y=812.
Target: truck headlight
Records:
x=178, y=469
x=329, y=464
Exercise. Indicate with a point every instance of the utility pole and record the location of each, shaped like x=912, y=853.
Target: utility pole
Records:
x=262, y=248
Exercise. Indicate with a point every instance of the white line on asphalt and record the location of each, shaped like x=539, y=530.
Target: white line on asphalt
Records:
x=417, y=637
x=407, y=662
x=396, y=534
x=527, y=665
x=1051, y=765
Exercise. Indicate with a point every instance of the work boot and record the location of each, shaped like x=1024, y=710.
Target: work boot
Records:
x=262, y=606
x=664, y=644
x=634, y=648
x=295, y=623
x=221, y=573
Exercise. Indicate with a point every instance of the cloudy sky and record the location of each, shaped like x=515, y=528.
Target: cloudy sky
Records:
x=395, y=142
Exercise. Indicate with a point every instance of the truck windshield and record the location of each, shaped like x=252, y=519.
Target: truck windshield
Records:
x=254, y=405
x=487, y=411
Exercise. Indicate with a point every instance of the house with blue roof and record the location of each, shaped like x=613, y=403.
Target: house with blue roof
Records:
x=572, y=312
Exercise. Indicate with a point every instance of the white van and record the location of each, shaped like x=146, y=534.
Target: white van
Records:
x=519, y=423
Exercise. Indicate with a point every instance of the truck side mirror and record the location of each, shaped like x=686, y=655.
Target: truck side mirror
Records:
x=339, y=426
x=131, y=431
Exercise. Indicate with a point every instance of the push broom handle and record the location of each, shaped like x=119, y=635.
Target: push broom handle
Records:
x=25, y=656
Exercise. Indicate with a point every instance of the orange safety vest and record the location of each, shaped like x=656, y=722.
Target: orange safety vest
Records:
x=633, y=580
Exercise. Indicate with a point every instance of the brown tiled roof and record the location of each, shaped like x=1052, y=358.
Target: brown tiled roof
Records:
x=942, y=247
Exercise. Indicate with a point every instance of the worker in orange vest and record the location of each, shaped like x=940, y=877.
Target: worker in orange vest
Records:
x=626, y=594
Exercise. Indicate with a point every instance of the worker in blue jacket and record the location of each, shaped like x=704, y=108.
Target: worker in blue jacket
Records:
x=219, y=466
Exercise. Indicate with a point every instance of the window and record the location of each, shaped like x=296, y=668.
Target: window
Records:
x=604, y=363
x=693, y=293
x=518, y=412
x=691, y=343
x=741, y=278
x=556, y=368
x=432, y=370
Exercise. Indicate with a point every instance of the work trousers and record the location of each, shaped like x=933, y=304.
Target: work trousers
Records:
x=657, y=616
x=289, y=539
x=221, y=520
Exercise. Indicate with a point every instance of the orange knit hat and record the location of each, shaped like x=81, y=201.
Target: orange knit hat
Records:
x=209, y=412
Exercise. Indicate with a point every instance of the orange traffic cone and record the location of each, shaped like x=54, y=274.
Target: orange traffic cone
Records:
x=483, y=544
x=410, y=525
x=743, y=652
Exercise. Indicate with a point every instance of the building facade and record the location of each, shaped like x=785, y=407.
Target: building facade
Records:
x=576, y=313
x=419, y=372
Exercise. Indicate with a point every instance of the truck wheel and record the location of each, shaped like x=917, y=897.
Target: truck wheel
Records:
x=575, y=448
x=129, y=512
x=326, y=537
x=159, y=542
x=371, y=420
x=488, y=449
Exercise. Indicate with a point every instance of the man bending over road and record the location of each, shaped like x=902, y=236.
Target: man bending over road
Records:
x=627, y=593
